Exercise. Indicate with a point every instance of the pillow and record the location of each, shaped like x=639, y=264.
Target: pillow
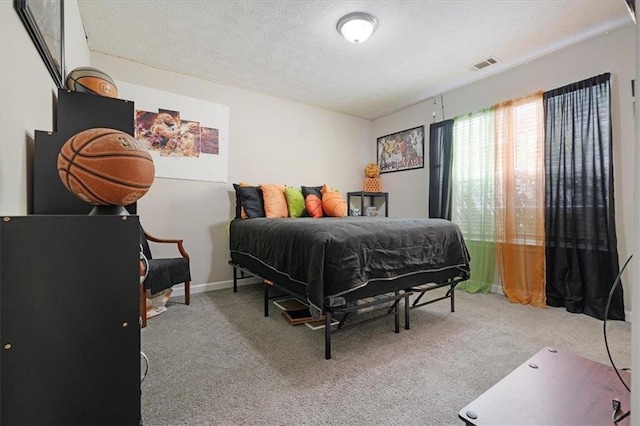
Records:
x=333, y=204
x=313, y=200
x=251, y=200
x=308, y=190
x=238, y=201
x=313, y=204
x=295, y=201
x=275, y=203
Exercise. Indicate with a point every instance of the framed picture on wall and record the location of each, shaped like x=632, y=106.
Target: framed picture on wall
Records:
x=44, y=21
x=401, y=151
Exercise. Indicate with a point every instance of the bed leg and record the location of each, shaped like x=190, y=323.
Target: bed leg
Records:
x=266, y=299
x=235, y=280
x=407, y=308
x=453, y=305
x=327, y=335
x=396, y=315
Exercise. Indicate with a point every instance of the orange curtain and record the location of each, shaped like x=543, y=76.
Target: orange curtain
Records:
x=519, y=199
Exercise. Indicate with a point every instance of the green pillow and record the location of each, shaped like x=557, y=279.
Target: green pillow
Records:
x=295, y=201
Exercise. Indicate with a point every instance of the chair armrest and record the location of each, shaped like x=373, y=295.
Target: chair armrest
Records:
x=181, y=249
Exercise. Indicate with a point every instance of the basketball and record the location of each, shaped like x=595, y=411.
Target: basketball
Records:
x=91, y=80
x=105, y=167
x=372, y=170
x=313, y=205
x=334, y=204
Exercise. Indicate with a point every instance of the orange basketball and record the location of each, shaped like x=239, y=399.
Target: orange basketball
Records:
x=334, y=204
x=91, y=80
x=105, y=167
x=372, y=170
x=313, y=205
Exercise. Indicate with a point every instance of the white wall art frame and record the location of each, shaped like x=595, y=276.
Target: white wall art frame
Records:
x=188, y=138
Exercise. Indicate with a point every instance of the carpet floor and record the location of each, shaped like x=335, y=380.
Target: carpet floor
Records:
x=219, y=361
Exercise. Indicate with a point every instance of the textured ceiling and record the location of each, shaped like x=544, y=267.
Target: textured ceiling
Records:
x=291, y=49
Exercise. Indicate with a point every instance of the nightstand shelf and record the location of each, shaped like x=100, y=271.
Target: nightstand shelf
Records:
x=372, y=196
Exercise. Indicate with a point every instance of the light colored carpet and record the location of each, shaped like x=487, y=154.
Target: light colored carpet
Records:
x=220, y=362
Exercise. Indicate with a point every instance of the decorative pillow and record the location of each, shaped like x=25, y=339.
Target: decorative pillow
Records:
x=313, y=200
x=275, y=203
x=251, y=200
x=311, y=190
x=313, y=204
x=238, y=202
x=333, y=203
x=295, y=201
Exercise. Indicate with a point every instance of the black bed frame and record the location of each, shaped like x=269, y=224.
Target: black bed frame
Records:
x=393, y=296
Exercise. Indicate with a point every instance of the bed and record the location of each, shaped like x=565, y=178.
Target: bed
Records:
x=340, y=266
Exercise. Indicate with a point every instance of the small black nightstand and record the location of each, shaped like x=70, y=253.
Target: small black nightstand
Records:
x=372, y=196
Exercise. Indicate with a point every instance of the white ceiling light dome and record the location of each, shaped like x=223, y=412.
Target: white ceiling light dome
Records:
x=356, y=27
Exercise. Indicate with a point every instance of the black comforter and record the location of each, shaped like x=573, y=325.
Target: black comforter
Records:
x=333, y=256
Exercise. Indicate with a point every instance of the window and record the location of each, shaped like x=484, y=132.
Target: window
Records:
x=473, y=175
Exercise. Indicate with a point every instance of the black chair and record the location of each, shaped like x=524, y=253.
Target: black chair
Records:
x=163, y=273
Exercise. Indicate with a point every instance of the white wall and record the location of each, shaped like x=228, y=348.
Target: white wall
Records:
x=28, y=99
x=273, y=140
x=270, y=140
x=613, y=52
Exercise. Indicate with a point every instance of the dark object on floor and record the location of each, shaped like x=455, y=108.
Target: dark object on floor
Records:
x=298, y=316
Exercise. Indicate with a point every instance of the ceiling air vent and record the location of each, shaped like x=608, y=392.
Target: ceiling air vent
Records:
x=483, y=64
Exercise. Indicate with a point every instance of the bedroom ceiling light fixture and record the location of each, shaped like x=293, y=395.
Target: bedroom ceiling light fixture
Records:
x=356, y=27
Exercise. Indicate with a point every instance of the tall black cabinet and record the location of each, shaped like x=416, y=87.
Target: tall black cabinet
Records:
x=69, y=320
x=69, y=297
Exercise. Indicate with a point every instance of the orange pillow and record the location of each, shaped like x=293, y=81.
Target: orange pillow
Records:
x=313, y=204
x=275, y=202
x=333, y=204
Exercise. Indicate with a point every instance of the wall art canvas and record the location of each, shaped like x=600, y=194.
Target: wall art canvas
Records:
x=187, y=137
x=401, y=151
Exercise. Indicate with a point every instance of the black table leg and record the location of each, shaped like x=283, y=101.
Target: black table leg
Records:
x=407, y=308
x=235, y=280
x=327, y=335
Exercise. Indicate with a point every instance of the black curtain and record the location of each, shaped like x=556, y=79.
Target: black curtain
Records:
x=440, y=156
x=581, y=243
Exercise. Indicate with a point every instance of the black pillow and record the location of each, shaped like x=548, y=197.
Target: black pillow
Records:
x=251, y=200
x=238, y=201
x=309, y=190
x=315, y=190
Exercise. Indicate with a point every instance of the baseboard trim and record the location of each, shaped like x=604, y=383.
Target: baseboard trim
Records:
x=497, y=289
x=178, y=290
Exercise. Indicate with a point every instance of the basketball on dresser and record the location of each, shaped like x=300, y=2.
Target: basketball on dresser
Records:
x=105, y=167
x=91, y=80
